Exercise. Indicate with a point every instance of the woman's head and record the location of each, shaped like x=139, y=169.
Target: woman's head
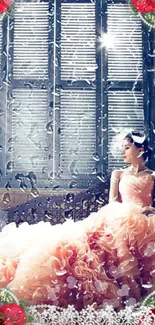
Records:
x=135, y=147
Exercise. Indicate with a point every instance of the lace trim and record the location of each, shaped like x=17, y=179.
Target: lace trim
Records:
x=133, y=315
x=55, y=316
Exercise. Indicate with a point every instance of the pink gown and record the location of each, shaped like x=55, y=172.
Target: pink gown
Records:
x=108, y=258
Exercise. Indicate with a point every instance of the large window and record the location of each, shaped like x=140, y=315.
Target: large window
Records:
x=73, y=75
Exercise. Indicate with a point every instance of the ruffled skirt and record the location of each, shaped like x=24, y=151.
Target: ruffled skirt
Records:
x=108, y=258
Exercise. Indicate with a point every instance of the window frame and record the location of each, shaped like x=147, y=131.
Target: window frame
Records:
x=102, y=86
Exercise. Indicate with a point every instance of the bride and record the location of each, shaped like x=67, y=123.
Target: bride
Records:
x=108, y=258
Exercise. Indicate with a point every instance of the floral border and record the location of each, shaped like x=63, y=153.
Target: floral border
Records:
x=139, y=314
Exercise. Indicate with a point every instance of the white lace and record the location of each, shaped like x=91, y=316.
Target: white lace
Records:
x=52, y=315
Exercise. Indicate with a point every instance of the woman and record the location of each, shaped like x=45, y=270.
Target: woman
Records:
x=135, y=151
x=108, y=258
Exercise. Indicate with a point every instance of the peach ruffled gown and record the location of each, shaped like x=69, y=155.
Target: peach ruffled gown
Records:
x=107, y=258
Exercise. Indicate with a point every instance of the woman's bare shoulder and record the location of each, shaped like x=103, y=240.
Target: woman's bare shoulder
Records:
x=117, y=174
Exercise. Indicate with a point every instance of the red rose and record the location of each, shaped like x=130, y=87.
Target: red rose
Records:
x=144, y=6
x=13, y=314
x=4, y=5
x=142, y=321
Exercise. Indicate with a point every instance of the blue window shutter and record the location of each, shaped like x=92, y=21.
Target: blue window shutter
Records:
x=125, y=61
x=3, y=85
x=125, y=77
x=2, y=112
x=1, y=49
x=30, y=78
x=78, y=132
x=78, y=96
x=125, y=113
x=63, y=143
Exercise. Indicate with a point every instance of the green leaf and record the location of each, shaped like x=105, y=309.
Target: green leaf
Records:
x=150, y=18
x=150, y=302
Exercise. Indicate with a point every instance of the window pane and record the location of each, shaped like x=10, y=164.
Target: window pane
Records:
x=29, y=134
x=78, y=61
x=124, y=44
x=31, y=41
x=78, y=132
x=125, y=113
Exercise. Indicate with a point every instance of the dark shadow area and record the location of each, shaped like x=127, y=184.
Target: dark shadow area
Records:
x=56, y=208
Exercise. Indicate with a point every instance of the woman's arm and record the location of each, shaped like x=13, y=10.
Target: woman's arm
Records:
x=114, y=183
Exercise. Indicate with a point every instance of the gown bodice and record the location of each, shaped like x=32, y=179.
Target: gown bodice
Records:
x=138, y=190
